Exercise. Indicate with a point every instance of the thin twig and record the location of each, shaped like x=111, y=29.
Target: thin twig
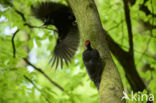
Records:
x=21, y=14
x=13, y=43
x=45, y=75
x=40, y=27
x=145, y=9
x=27, y=24
x=139, y=52
x=117, y=25
x=151, y=34
x=31, y=81
x=146, y=48
x=27, y=78
x=122, y=39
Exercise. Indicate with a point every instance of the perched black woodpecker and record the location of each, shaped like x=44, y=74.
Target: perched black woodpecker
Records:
x=93, y=63
x=63, y=19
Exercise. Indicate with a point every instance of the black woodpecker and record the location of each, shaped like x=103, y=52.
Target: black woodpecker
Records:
x=63, y=19
x=93, y=63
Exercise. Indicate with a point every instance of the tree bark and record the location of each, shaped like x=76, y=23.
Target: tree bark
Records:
x=127, y=62
x=90, y=28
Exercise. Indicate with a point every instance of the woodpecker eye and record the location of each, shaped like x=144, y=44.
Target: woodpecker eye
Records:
x=87, y=42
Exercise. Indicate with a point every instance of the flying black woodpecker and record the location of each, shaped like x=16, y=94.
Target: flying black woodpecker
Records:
x=63, y=19
x=93, y=63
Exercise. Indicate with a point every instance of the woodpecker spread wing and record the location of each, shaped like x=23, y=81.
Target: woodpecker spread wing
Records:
x=66, y=48
x=68, y=35
x=53, y=13
x=46, y=10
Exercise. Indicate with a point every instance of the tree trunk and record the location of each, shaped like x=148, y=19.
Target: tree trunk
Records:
x=90, y=28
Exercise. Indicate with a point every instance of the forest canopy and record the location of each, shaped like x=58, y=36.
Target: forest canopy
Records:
x=26, y=46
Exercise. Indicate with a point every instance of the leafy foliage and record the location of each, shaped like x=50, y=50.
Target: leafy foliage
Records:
x=36, y=43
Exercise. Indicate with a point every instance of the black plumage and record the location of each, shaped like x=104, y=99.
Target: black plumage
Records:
x=63, y=18
x=93, y=63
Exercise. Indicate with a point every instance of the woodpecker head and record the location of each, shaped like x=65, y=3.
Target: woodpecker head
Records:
x=87, y=43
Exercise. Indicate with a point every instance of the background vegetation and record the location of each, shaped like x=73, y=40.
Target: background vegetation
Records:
x=32, y=81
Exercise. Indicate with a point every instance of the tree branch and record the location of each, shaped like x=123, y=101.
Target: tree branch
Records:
x=117, y=25
x=39, y=27
x=21, y=14
x=132, y=2
x=129, y=26
x=127, y=62
x=13, y=43
x=45, y=75
x=27, y=24
x=145, y=9
x=35, y=86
